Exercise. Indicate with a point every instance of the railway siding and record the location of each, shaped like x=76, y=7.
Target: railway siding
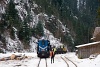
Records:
x=69, y=62
x=72, y=62
x=65, y=61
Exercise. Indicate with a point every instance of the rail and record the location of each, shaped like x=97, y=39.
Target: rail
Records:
x=40, y=61
x=67, y=62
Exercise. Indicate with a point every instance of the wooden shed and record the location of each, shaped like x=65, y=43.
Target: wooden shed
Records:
x=85, y=50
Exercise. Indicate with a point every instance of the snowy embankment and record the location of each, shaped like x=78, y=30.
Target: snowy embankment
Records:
x=33, y=61
x=9, y=54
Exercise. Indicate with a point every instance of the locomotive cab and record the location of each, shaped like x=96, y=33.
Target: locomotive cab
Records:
x=43, y=48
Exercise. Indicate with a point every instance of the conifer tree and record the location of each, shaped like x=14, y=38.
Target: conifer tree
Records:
x=11, y=16
x=39, y=29
x=25, y=32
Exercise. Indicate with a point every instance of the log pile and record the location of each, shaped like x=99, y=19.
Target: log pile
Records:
x=15, y=57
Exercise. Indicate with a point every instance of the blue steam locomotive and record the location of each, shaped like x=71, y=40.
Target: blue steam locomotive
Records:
x=43, y=48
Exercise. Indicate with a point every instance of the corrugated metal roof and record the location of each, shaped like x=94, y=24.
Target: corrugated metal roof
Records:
x=83, y=45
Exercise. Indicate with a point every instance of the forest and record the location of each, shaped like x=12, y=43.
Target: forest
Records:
x=79, y=16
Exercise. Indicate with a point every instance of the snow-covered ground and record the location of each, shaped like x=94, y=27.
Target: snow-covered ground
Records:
x=33, y=62
x=84, y=62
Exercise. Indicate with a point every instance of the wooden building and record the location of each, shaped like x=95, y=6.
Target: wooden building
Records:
x=85, y=50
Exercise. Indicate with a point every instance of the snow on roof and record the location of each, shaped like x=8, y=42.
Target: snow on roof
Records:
x=88, y=44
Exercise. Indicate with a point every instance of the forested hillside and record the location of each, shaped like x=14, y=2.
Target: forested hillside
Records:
x=80, y=16
x=70, y=21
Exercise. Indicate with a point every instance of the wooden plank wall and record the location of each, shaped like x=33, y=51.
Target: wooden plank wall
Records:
x=85, y=52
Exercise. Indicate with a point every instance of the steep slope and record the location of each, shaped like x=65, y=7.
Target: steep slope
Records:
x=23, y=22
x=79, y=16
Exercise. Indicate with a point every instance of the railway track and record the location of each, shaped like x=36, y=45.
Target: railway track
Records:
x=39, y=64
x=69, y=62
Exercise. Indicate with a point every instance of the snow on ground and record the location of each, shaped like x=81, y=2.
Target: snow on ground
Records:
x=84, y=62
x=33, y=62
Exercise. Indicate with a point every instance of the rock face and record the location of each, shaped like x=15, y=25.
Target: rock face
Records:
x=13, y=56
